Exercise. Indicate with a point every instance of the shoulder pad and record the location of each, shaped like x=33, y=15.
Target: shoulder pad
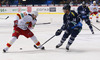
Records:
x=73, y=13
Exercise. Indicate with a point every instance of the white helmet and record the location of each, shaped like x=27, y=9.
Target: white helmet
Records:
x=94, y=2
x=35, y=13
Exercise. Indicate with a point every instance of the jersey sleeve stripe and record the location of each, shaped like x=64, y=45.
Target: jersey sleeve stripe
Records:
x=19, y=16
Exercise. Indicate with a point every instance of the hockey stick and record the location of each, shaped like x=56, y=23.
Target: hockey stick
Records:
x=38, y=24
x=43, y=23
x=44, y=42
x=5, y=18
x=95, y=27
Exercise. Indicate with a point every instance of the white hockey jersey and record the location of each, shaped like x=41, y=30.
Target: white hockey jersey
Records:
x=93, y=8
x=24, y=21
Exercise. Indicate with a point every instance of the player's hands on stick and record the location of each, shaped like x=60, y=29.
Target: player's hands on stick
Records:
x=58, y=32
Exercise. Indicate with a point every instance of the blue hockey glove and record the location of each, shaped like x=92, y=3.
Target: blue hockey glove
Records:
x=77, y=25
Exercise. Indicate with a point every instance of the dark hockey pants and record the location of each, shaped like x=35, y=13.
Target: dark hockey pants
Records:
x=73, y=33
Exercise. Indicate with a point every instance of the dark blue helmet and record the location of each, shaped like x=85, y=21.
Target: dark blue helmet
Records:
x=83, y=3
x=67, y=7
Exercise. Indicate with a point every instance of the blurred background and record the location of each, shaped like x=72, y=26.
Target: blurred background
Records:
x=44, y=2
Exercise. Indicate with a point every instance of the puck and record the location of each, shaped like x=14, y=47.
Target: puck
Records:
x=20, y=48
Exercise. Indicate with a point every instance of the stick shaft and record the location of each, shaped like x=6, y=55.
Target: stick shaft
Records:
x=95, y=27
x=45, y=41
x=48, y=40
x=43, y=23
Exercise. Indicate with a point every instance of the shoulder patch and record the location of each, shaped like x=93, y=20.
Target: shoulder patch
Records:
x=19, y=16
x=72, y=13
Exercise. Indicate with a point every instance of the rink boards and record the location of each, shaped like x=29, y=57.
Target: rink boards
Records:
x=40, y=9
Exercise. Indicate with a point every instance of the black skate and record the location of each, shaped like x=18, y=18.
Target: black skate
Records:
x=97, y=21
x=67, y=48
x=92, y=32
x=59, y=45
x=4, y=50
x=35, y=46
x=42, y=48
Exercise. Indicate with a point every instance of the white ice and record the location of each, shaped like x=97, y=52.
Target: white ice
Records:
x=85, y=47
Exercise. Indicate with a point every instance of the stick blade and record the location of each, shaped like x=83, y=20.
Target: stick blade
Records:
x=35, y=46
x=7, y=17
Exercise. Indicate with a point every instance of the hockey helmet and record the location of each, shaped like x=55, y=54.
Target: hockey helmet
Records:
x=67, y=7
x=35, y=13
x=94, y=2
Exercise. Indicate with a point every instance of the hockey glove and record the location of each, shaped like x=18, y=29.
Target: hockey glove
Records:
x=58, y=32
x=77, y=25
x=15, y=23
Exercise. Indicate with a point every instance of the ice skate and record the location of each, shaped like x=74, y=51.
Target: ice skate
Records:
x=59, y=45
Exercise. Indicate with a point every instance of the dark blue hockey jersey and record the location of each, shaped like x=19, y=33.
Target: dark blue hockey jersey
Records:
x=83, y=12
x=70, y=19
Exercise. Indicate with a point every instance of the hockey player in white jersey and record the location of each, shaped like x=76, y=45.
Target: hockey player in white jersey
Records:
x=94, y=10
x=22, y=25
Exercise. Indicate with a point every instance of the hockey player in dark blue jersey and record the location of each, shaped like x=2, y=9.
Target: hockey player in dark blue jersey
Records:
x=83, y=12
x=71, y=25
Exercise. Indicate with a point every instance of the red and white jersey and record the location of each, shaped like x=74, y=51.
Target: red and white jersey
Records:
x=93, y=8
x=24, y=21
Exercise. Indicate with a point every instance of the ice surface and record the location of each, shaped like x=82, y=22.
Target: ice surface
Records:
x=85, y=47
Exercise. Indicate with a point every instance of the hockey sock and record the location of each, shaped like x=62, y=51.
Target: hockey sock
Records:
x=70, y=41
x=91, y=28
x=63, y=40
x=13, y=39
x=34, y=39
x=90, y=17
x=65, y=36
x=97, y=18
